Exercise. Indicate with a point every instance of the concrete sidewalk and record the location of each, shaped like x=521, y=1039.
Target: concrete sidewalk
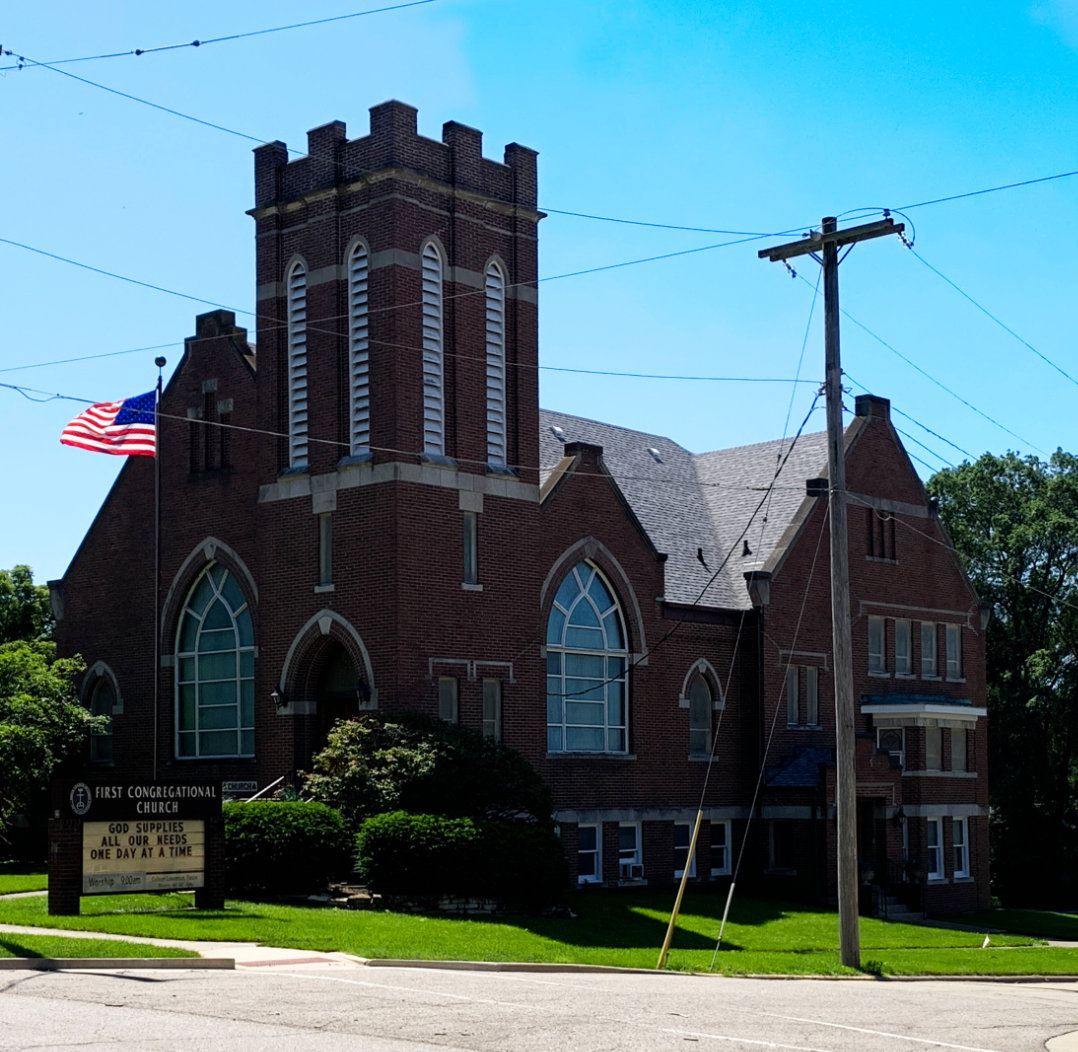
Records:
x=241, y=954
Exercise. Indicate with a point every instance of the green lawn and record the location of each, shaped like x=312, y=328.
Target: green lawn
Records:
x=1042, y=924
x=762, y=937
x=59, y=946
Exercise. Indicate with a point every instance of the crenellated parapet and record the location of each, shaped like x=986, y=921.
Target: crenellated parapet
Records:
x=394, y=142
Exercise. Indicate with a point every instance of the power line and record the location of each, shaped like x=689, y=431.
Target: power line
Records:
x=662, y=226
x=88, y=357
x=928, y=449
x=37, y=395
x=914, y=420
x=984, y=310
x=123, y=277
x=853, y=497
x=991, y=190
x=25, y=63
x=928, y=376
x=156, y=105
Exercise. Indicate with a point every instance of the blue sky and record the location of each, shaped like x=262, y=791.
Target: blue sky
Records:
x=745, y=116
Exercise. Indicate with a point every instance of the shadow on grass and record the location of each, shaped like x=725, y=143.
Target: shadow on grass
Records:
x=21, y=869
x=16, y=949
x=615, y=918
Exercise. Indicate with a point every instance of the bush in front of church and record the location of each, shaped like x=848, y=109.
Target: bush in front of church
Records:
x=518, y=863
x=276, y=847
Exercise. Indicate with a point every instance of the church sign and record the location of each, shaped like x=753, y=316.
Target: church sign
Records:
x=110, y=838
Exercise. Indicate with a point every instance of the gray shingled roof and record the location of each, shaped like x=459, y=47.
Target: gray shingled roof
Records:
x=688, y=503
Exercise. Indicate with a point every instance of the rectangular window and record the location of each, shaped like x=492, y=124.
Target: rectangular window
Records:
x=958, y=749
x=954, y=651
x=877, y=662
x=224, y=415
x=492, y=709
x=589, y=855
x=471, y=547
x=682, y=843
x=630, y=866
x=933, y=749
x=881, y=535
x=812, y=695
x=934, y=851
x=929, y=669
x=892, y=740
x=325, y=548
x=447, y=699
x=960, y=840
x=793, y=707
x=903, y=648
x=720, y=848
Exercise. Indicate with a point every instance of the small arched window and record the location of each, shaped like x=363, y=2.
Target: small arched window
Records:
x=496, y=408
x=215, y=667
x=101, y=701
x=701, y=703
x=587, y=667
x=358, y=352
x=297, y=366
x=433, y=351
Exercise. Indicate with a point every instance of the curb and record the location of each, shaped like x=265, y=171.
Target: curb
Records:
x=78, y=964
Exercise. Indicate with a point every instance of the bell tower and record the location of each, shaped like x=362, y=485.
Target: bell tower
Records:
x=397, y=300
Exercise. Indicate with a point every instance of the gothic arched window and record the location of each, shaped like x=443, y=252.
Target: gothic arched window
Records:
x=587, y=667
x=215, y=667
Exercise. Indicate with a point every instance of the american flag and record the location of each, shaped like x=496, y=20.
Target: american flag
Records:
x=125, y=427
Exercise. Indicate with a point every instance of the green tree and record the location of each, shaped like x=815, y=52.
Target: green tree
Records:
x=42, y=724
x=25, y=612
x=1015, y=522
x=412, y=763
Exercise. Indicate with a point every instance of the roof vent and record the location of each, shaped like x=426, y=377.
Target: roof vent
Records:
x=557, y=433
x=655, y=455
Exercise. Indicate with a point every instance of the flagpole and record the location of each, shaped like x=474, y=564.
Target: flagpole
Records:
x=160, y=363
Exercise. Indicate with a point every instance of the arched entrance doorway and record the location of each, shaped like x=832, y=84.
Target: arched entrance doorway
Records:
x=338, y=689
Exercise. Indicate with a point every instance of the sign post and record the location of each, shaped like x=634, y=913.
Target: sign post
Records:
x=114, y=838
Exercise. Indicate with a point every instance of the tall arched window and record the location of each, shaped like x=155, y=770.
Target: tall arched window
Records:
x=215, y=667
x=358, y=352
x=701, y=703
x=101, y=701
x=496, y=413
x=297, y=366
x=433, y=352
x=587, y=667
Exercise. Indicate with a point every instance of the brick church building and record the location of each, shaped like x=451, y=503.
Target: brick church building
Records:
x=371, y=513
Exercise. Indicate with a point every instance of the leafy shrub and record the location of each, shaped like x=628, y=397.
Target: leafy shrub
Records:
x=279, y=848
x=415, y=854
x=408, y=762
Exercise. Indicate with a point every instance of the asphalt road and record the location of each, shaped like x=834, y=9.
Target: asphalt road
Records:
x=334, y=1006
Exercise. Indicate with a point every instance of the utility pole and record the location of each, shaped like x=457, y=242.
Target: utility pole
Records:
x=823, y=245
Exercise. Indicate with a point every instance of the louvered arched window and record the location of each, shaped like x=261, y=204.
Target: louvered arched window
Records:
x=433, y=352
x=215, y=667
x=496, y=409
x=358, y=352
x=297, y=366
x=587, y=667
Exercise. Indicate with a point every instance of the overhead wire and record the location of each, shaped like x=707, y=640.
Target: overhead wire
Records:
x=928, y=376
x=25, y=63
x=856, y=499
x=680, y=622
x=39, y=395
x=984, y=310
